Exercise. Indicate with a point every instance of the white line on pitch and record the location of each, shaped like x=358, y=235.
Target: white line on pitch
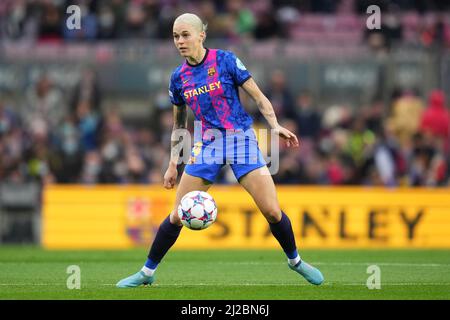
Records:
x=387, y=264
x=292, y=284
x=249, y=284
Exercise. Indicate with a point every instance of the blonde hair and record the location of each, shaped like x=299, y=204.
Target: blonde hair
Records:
x=193, y=20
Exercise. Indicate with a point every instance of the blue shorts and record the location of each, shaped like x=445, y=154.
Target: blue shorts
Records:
x=238, y=149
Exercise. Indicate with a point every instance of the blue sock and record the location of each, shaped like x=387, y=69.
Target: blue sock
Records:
x=165, y=238
x=151, y=264
x=282, y=231
x=292, y=254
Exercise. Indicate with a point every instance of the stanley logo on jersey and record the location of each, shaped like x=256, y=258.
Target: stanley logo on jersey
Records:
x=211, y=71
x=203, y=89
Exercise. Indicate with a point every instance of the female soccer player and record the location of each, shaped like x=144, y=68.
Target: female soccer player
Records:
x=208, y=83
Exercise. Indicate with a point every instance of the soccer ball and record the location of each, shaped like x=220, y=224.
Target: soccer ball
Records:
x=197, y=210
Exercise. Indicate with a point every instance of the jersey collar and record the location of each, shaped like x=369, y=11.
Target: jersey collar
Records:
x=201, y=62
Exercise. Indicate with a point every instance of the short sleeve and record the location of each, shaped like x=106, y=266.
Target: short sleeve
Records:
x=237, y=69
x=175, y=92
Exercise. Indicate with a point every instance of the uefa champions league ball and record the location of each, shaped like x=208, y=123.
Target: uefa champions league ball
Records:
x=197, y=210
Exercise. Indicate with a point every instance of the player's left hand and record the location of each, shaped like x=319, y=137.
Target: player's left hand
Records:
x=288, y=136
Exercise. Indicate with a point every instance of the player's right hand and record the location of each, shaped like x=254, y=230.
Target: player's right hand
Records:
x=170, y=177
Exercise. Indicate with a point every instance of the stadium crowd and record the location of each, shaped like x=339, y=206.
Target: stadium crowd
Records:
x=52, y=139
x=229, y=20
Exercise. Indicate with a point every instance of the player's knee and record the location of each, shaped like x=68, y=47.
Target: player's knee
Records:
x=273, y=215
x=174, y=218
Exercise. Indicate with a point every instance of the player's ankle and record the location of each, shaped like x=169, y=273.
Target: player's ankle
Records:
x=147, y=271
x=294, y=261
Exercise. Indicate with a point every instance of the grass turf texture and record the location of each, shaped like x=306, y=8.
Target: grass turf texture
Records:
x=34, y=273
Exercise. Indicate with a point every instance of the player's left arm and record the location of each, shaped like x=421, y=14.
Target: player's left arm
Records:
x=266, y=109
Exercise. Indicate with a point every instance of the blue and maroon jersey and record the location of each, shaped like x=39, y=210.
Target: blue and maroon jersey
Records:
x=210, y=89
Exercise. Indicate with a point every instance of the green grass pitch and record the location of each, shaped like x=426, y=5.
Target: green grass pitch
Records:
x=34, y=273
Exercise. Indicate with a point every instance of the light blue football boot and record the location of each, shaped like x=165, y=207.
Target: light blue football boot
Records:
x=313, y=275
x=135, y=280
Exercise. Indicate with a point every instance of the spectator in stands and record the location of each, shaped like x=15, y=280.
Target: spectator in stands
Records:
x=88, y=24
x=315, y=171
x=335, y=170
x=307, y=116
x=137, y=22
x=420, y=159
x=87, y=89
x=280, y=95
x=289, y=171
x=435, y=120
x=107, y=22
x=385, y=162
x=44, y=106
x=92, y=167
x=168, y=13
x=437, y=170
x=12, y=144
x=88, y=126
x=42, y=162
x=111, y=150
x=8, y=118
x=287, y=15
x=165, y=126
x=405, y=116
x=268, y=27
x=147, y=145
x=240, y=20
x=217, y=24
x=136, y=168
x=14, y=24
x=70, y=151
x=390, y=32
x=374, y=117
x=435, y=34
x=377, y=42
x=360, y=141
x=50, y=24
x=391, y=25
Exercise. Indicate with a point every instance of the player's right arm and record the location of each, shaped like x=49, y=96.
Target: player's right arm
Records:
x=179, y=126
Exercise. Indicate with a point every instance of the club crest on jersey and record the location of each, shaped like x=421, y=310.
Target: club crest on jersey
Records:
x=197, y=148
x=211, y=71
x=192, y=160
